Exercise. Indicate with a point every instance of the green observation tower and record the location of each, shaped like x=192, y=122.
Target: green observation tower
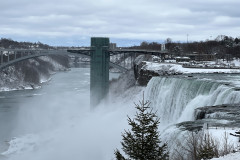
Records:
x=99, y=79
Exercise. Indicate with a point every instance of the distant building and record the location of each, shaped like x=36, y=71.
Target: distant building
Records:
x=182, y=59
x=163, y=48
x=201, y=57
x=113, y=45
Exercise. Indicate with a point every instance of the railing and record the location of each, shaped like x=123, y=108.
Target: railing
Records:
x=11, y=56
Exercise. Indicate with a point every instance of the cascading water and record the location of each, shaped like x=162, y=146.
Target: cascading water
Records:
x=176, y=98
x=55, y=122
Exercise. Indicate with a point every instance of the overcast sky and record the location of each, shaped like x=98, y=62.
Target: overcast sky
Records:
x=72, y=22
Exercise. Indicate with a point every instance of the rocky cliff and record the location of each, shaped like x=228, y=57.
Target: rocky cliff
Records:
x=31, y=73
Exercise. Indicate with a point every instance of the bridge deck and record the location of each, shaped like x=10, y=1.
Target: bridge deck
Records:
x=11, y=56
x=142, y=51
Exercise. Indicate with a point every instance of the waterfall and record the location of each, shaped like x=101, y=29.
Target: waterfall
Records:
x=176, y=98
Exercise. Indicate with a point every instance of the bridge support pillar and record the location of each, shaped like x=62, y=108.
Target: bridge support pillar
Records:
x=1, y=57
x=8, y=57
x=99, y=72
x=124, y=58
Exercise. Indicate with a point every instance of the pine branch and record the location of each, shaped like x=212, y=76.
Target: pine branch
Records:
x=142, y=142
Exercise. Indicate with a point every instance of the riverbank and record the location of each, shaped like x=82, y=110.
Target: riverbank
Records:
x=32, y=73
x=145, y=70
x=58, y=119
x=169, y=68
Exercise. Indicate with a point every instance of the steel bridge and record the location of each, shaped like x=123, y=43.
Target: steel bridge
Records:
x=99, y=53
x=10, y=56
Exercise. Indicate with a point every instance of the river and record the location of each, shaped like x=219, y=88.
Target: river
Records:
x=56, y=122
x=58, y=101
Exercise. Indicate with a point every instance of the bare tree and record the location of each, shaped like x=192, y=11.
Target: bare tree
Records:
x=227, y=146
x=198, y=146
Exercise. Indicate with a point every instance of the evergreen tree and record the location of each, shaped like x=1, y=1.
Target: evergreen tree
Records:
x=118, y=155
x=142, y=142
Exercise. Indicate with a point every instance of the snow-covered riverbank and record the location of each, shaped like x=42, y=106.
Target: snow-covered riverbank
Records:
x=179, y=69
x=30, y=74
x=232, y=156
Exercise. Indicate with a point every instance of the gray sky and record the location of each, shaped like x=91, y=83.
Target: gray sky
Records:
x=72, y=22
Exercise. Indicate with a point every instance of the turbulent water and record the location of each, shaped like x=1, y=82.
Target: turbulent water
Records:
x=176, y=98
x=56, y=122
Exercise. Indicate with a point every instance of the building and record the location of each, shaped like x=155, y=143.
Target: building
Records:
x=113, y=46
x=163, y=47
x=182, y=59
x=201, y=57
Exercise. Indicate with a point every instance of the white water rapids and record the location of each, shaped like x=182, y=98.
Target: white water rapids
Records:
x=56, y=123
x=176, y=98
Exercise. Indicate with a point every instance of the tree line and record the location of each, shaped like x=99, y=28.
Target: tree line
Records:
x=7, y=43
x=222, y=45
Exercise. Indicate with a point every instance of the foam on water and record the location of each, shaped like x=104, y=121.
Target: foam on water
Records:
x=176, y=98
x=62, y=126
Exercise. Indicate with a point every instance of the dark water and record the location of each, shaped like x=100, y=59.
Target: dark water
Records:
x=62, y=85
x=72, y=85
x=9, y=106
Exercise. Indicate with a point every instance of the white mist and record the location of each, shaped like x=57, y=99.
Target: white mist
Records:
x=58, y=124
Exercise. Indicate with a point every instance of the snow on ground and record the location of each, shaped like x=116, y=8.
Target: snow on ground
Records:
x=222, y=133
x=232, y=156
x=219, y=134
x=177, y=68
x=234, y=62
